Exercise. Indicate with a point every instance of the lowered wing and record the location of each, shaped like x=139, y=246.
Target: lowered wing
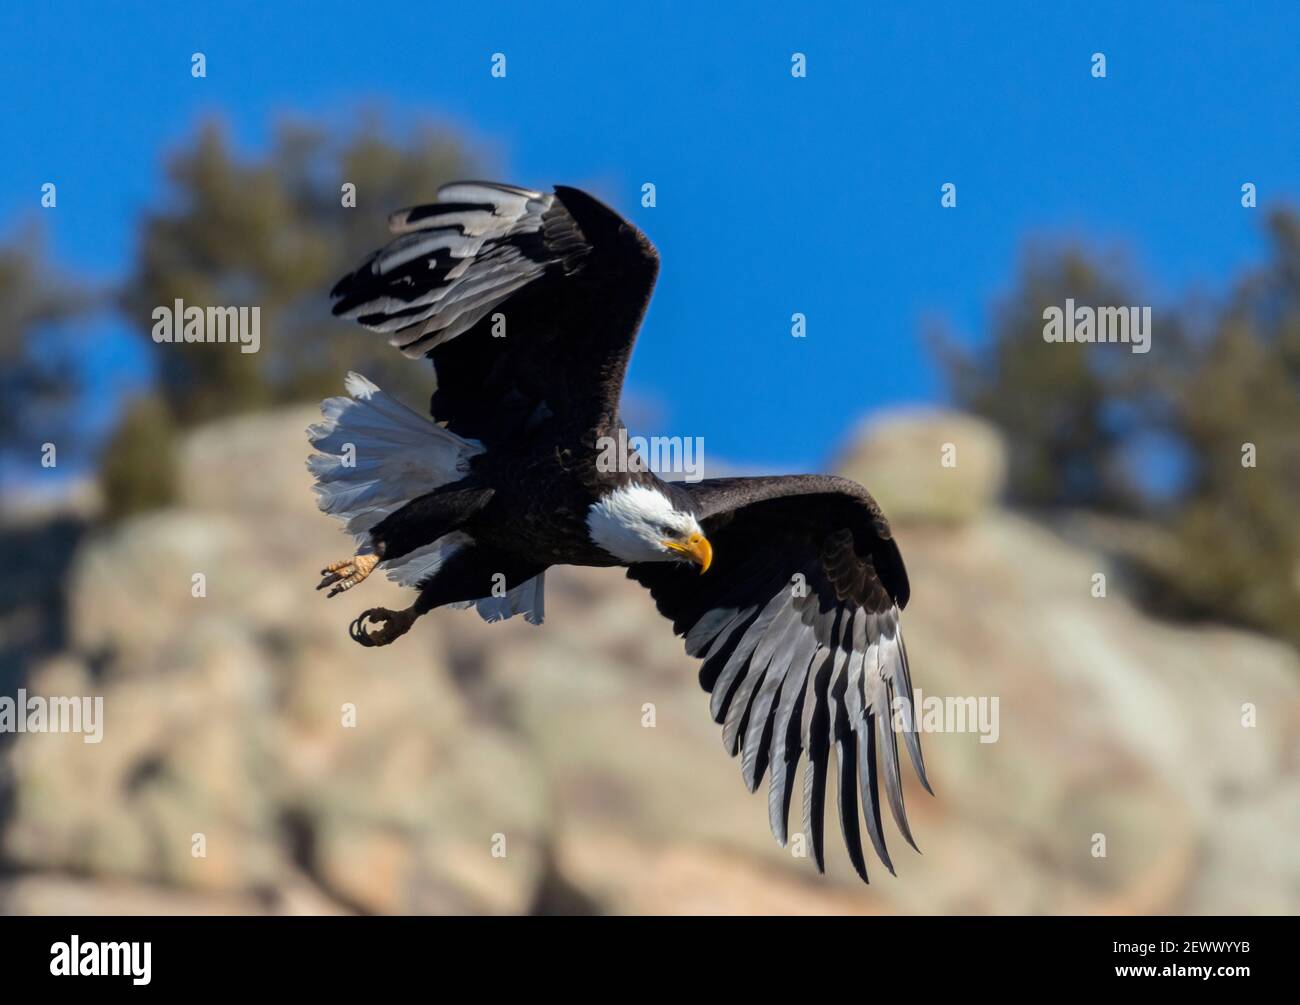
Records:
x=797, y=622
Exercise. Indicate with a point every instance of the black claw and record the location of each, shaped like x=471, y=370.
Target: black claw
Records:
x=389, y=625
x=358, y=630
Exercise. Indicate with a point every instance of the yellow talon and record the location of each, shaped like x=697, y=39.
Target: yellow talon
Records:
x=345, y=574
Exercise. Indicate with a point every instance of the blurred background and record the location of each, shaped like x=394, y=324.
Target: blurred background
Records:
x=1164, y=715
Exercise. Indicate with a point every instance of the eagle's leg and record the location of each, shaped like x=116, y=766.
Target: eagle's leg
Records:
x=471, y=574
x=421, y=521
x=348, y=572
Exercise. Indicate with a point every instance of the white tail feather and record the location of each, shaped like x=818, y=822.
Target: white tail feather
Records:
x=374, y=456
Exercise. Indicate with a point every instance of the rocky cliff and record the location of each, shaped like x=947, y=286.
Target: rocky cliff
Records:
x=1138, y=766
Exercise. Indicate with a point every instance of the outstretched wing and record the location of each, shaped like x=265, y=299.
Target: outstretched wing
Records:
x=797, y=622
x=526, y=302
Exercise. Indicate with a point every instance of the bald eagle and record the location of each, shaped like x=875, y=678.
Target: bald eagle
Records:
x=787, y=588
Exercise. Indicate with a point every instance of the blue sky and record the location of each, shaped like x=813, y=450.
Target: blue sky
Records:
x=775, y=195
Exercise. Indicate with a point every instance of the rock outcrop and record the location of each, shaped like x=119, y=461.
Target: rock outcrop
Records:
x=1137, y=766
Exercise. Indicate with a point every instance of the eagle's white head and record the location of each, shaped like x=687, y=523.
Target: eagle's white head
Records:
x=636, y=523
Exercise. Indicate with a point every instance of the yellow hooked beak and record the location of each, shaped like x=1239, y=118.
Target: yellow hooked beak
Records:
x=696, y=548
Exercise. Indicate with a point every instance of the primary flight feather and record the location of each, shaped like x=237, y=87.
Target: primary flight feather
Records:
x=787, y=588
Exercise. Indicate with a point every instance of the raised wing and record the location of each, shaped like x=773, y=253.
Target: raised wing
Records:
x=527, y=303
x=797, y=622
